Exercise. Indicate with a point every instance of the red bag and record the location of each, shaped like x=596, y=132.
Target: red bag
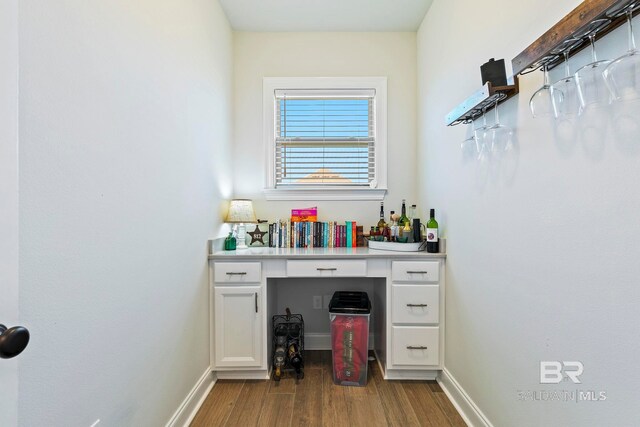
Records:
x=350, y=336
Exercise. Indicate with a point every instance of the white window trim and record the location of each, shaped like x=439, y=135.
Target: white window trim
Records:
x=379, y=187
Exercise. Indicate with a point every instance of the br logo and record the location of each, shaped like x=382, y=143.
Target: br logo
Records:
x=552, y=372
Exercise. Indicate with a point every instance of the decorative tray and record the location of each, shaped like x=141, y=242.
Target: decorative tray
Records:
x=398, y=247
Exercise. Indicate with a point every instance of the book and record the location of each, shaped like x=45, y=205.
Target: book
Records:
x=304, y=214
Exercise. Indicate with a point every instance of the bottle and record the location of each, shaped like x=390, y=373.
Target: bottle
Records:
x=433, y=245
x=403, y=217
x=381, y=223
x=230, y=242
x=393, y=229
x=412, y=213
x=295, y=359
x=280, y=352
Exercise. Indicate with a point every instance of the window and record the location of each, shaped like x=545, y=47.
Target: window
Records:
x=326, y=138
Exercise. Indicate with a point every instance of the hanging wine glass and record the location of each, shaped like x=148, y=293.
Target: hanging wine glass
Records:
x=592, y=90
x=540, y=103
x=622, y=75
x=481, y=137
x=479, y=133
x=564, y=92
x=470, y=145
x=498, y=134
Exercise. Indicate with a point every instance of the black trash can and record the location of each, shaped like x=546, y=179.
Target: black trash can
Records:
x=349, y=316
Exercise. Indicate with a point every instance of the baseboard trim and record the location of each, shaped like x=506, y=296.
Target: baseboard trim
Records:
x=262, y=374
x=194, y=400
x=469, y=411
x=322, y=341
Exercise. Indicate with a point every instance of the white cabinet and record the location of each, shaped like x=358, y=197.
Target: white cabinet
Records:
x=238, y=327
x=237, y=272
x=327, y=268
x=416, y=298
x=415, y=345
x=407, y=298
x=415, y=304
x=415, y=271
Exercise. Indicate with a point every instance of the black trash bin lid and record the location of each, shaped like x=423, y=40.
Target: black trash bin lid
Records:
x=350, y=302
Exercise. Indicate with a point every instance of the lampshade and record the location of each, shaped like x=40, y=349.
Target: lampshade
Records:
x=241, y=211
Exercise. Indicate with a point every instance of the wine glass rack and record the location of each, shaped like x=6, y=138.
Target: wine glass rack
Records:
x=483, y=99
x=547, y=50
x=589, y=16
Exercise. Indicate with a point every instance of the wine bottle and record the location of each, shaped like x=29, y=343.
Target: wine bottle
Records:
x=295, y=359
x=381, y=223
x=403, y=217
x=433, y=245
x=279, y=356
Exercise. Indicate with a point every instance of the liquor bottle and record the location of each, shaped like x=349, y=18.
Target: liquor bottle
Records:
x=403, y=217
x=295, y=359
x=412, y=213
x=393, y=229
x=433, y=244
x=381, y=223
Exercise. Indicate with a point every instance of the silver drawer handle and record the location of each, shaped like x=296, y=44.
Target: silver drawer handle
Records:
x=231, y=273
x=416, y=347
x=417, y=272
x=326, y=269
x=416, y=305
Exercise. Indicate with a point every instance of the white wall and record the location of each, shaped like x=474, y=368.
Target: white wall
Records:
x=543, y=242
x=125, y=135
x=9, y=200
x=258, y=55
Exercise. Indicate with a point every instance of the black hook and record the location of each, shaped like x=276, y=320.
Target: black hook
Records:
x=12, y=341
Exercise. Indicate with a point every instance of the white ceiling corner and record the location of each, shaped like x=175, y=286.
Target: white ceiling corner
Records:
x=325, y=15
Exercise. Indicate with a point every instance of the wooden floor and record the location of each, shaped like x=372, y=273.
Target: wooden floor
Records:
x=316, y=401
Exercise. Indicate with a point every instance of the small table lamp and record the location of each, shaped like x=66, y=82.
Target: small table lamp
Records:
x=241, y=212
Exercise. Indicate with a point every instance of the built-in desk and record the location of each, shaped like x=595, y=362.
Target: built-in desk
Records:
x=407, y=305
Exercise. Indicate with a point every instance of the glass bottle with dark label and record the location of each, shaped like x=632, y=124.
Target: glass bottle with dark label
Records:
x=433, y=244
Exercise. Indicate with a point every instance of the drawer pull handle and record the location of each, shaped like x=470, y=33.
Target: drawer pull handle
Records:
x=326, y=269
x=416, y=305
x=417, y=272
x=416, y=347
x=256, y=295
x=232, y=273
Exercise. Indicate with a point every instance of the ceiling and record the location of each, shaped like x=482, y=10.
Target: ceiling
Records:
x=325, y=15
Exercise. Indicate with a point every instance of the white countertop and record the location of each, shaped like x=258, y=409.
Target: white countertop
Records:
x=315, y=253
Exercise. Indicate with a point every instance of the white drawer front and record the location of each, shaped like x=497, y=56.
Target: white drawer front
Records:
x=415, y=345
x=415, y=271
x=416, y=304
x=327, y=268
x=236, y=272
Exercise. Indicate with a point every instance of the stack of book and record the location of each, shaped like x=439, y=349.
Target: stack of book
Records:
x=315, y=234
x=304, y=230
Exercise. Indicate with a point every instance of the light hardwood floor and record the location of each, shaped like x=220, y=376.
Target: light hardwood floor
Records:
x=316, y=401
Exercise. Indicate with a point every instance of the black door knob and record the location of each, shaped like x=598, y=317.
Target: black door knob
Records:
x=13, y=341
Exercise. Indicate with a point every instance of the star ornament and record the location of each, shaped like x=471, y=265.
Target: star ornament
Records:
x=257, y=235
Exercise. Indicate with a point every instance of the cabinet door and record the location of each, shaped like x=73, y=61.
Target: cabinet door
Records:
x=238, y=326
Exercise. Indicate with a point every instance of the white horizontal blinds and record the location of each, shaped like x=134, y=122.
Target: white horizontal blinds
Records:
x=325, y=137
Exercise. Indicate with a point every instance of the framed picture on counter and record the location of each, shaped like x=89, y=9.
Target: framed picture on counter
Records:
x=259, y=236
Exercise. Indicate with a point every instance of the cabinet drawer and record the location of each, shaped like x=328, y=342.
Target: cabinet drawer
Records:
x=415, y=345
x=415, y=304
x=236, y=272
x=327, y=268
x=415, y=271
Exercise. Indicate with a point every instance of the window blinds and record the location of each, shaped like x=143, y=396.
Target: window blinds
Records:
x=325, y=137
